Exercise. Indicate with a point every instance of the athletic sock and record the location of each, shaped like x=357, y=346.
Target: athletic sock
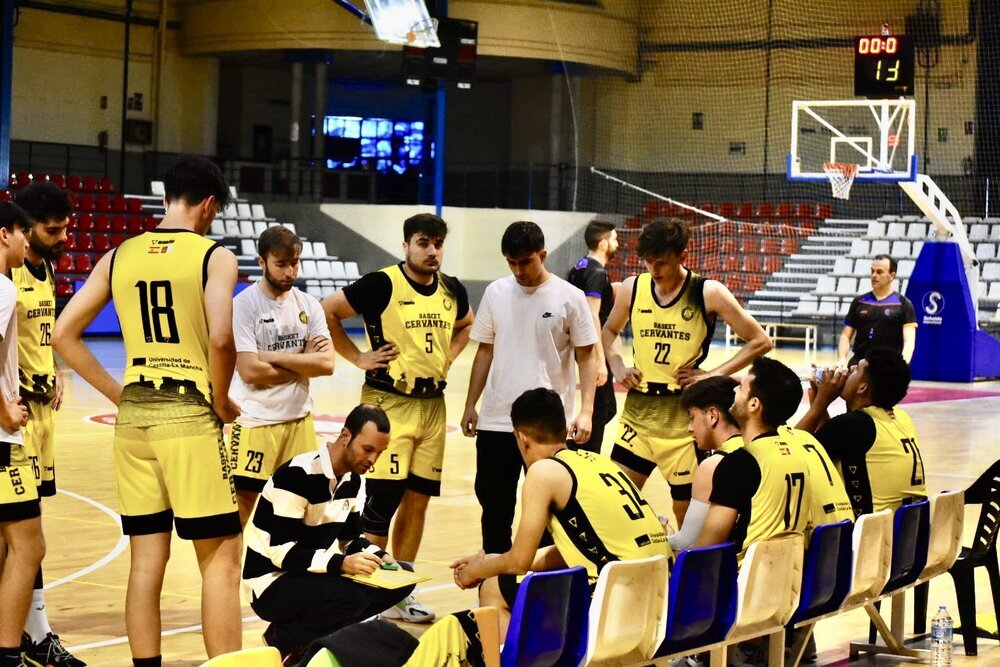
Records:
x=37, y=626
x=10, y=657
x=148, y=662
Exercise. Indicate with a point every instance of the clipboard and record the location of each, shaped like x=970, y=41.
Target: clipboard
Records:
x=389, y=579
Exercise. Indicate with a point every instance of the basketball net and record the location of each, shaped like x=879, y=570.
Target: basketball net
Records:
x=841, y=175
x=423, y=33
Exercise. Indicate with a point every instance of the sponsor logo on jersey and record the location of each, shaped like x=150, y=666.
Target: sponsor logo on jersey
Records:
x=546, y=315
x=687, y=313
x=646, y=311
x=267, y=320
x=405, y=303
x=303, y=317
x=447, y=303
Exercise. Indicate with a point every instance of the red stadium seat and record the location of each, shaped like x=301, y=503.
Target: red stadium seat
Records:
x=85, y=222
x=746, y=210
x=134, y=204
x=118, y=223
x=64, y=287
x=118, y=239
x=789, y=246
x=6, y=196
x=84, y=241
x=102, y=222
x=651, y=208
x=23, y=178
x=734, y=281
x=70, y=243
x=765, y=210
x=58, y=179
x=710, y=262
x=772, y=263
x=784, y=210
x=749, y=245
x=150, y=222
x=102, y=242
x=770, y=246
x=106, y=185
x=133, y=224
x=752, y=264
x=727, y=210
x=632, y=223
x=83, y=263
x=74, y=183
x=754, y=282
x=804, y=211
x=65, y=264
x=731, y=263
x=728, y=246
x=102, y=203
x=89, y=184
x=825, y=211
x=708, y=207
x=86, y=203
x=39, y=177
x=118, y=204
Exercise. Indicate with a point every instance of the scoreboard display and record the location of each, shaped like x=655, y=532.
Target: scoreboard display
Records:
x=883, y=66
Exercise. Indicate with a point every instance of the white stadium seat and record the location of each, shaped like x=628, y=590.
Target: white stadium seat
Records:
x=257, y=212
x=917, y=247
x=879, y=248
x=995, y=232
x=156, y=189
x=307, y=250
x=828, y=306
x=825, y=285
x=243, y=212
x=843, y=266
x=218, y=228
x=905, y=268
x=979, y=232
x=228, y=213
x=916, y=230
x=991, y=271
x=232, y=228
x=323, y=269
x=351, y=269
x=896, y=230
x=308, y=269
x=337, y=271
x=986, y=251
x=258, y=228
x=859, y=248
x=248, y=248
x=900, y=249
x=876, y=230
x=847, y=286
x=246, y=229
x=994, y=292
x=319, y=249
x=808, y=305
x=863, y=267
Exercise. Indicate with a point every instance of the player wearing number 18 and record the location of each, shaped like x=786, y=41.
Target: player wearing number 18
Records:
x=173, y=291
x=594, y=512
x=673, y=312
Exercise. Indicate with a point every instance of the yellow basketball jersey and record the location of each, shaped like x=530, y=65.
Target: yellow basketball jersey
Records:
x=895, y=468
x=606, y=518
x=780, y=502
x=158, y=285
x=36, y=315
x=421, y=328
x=828, y=502
x=668, y=337
x=731, y=444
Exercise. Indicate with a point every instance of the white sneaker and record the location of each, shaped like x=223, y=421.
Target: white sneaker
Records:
x=409, y=610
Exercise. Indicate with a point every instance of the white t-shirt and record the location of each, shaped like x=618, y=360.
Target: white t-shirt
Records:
x=8, y=352
x=534, y=331
x=263, y=323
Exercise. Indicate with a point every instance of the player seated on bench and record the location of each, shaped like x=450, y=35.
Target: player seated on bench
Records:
x=750, y=501
x=562, y=489
x=305, y=536
x=716, y=433
x=874, y=443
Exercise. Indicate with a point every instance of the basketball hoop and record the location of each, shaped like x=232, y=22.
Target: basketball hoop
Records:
x=841, y=175
x=422, y=34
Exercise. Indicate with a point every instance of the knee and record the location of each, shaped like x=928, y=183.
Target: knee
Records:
x=30, y=550
x=490, y=595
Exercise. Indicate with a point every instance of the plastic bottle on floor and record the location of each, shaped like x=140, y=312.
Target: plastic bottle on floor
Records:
x=941, y=638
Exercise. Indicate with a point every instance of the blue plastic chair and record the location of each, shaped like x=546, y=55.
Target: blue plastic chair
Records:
x=826, y=575
x=548, y=624
x=702, y=592
x=910, y=533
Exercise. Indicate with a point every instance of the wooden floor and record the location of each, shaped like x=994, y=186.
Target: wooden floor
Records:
x=87, y=564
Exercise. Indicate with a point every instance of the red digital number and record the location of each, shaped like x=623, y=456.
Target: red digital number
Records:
x=863, y=45
x=876, y=46
x=890, y=45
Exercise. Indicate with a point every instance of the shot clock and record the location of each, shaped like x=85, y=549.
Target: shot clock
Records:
x=883, y=66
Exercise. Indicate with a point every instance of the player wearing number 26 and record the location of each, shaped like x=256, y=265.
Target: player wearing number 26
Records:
x=781, y=480
x=874, y=442
x=673, y=312
x=594, y=512
x=173, y=291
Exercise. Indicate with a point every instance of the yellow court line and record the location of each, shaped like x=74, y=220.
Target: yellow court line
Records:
x=47, y=517
x=123, y=588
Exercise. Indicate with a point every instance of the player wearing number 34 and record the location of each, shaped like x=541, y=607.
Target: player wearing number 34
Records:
x=593, y=511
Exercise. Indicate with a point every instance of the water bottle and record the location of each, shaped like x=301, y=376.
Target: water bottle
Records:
x=941, y=638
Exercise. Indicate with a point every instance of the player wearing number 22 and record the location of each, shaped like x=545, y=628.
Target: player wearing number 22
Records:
x=781, y=479
x=417, y=320
x=673, y=312
x=594, y=512
x=173, y=291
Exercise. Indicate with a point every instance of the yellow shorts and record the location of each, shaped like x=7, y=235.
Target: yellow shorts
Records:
x=174, y=471
x=257, y=451
x=18, y=492
x=652, y=433
x=39, y=440
x=416, y=448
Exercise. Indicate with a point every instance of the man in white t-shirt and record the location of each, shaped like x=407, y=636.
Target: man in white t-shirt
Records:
x=20, y=511
x=282, y=340
x=529, y=327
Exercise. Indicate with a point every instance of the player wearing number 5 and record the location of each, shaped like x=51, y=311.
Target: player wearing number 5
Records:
x=874, y=442
x=593, y=511
x=781, y=479
x=673, y=312
x=173, y=291
x=417, y=320
x=281, y=341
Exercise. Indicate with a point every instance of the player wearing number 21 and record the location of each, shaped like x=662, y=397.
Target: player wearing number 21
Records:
x=673, y=313
x=591, y=508
x=874, y=442
x=173, y=291
x=781, y=480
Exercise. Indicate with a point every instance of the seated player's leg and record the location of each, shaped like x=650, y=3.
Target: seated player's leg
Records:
x=195, y=464
x=423, y=482
x=385, y=482
x=21, y=528
x=500, y=593
x=631, y=450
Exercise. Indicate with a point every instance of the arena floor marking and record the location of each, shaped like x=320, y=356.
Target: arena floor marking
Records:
x=166, y=633
x=108, y=557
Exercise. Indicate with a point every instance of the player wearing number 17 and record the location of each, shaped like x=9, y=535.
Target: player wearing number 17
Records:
x=673, y=312
x=173, y=291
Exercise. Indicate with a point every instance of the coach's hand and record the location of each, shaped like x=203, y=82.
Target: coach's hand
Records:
x=579, y=428
x=360, y=563
x=226, y=410
x=631, y=379
x=376, y=359
x=57, y=399
x=469, y=421
x=14, y=415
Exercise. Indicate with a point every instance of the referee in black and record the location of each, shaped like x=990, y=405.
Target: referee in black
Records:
x=881, y=317
x=590, y=275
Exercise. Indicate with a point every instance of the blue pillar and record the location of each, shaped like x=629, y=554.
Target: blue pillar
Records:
x=440, y=124
x=6, y=81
